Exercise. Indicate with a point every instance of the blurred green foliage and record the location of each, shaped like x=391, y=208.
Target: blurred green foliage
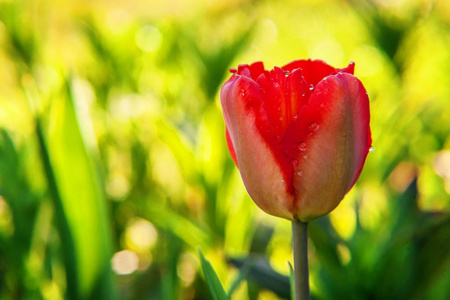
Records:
x=113, y=166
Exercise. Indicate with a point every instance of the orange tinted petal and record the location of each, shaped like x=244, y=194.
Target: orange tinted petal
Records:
x=259, y=165
x=330, y=140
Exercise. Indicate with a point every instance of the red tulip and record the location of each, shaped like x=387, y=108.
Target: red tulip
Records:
x=299, y=134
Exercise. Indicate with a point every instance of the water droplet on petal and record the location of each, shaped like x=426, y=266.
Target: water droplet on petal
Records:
x=311, y=87
x=371, y=149
x=294, y=162
x=313, y=126
x=340, y=73
x=286, y=73
x=367, y=93
x=276, y=84
x=300, y=173
x=303, y=95
x=242, y=92
x=302, y=146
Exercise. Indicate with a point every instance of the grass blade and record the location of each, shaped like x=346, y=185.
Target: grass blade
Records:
x=212, y=279
x=82, y=203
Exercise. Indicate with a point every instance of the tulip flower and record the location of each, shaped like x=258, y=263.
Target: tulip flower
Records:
x=298, y=134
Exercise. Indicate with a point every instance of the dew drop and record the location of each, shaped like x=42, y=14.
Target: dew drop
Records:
x=302, y=146
x=294, y=162
x=286, y=73
x=276, y=84
x=340, y=73
x=311, y=87
x=371, y=149
x=313, y=126
x=303, y=95
x=300, y=173
x=243, y=92
x=367, y=93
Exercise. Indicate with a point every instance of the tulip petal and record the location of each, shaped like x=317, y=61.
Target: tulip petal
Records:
x=348, y=69
x=252, y=71
x=315, y=70
x=329, y=140
x=231, y=147
x=312, y=70
x=284, y=93
x=263, y=168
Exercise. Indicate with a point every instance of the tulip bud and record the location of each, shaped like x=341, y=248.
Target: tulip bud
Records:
x=299, y=134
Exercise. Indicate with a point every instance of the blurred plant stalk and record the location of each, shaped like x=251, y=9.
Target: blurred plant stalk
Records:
x=300, y=250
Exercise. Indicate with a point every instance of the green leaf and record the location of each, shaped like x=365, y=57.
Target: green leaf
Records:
x=80, y=202
x=212, y=279
x=243, y=273
x=292, y=280
x=263, y=275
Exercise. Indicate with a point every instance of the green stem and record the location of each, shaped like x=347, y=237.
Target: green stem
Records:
x=300, y=249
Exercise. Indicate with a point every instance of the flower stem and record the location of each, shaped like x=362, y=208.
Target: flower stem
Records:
x=300, y=249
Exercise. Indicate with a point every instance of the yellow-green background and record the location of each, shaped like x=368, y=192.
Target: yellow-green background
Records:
x=112, y=139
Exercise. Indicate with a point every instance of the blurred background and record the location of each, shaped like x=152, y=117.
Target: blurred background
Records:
x=114, y=168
